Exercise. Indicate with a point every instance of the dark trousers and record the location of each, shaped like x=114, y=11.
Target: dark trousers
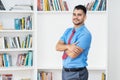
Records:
x=75, y=75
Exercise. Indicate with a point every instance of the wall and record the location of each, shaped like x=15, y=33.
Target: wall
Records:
x=114, y=40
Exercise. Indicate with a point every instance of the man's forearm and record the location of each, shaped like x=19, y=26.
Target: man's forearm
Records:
x=74, y=53
x=71, y=54
x=61, y=47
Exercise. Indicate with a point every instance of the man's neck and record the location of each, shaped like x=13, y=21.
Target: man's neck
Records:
x=77, y=26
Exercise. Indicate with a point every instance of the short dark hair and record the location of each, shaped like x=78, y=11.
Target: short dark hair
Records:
x=81, y=7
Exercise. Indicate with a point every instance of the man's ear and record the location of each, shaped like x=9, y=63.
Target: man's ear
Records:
x=85, y=17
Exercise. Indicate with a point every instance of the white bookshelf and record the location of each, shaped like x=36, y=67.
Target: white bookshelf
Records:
x=16, y=68
x=7, y=20
x=51, y=59
x=52, y=24
x=47, y=27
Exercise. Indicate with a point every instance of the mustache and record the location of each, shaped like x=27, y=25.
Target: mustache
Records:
x=75, y=19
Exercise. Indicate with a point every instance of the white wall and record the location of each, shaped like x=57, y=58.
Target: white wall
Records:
x=114, y=40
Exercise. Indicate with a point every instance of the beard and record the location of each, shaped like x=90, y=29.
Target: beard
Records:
x=77, y=22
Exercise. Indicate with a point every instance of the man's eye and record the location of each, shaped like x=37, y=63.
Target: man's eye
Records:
x=79, y=14
x=74, y=14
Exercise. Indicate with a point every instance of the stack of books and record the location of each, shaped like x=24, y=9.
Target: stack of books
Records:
x=97, y=5
x=44, y=75
x=6, y=77
x=52, y=5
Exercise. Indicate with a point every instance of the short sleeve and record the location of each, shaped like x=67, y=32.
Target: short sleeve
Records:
x=63, y=37
x=84, y=41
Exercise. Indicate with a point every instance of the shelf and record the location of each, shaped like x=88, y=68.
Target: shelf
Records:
x=97, y=12
x=44, y=12
x=16, y=11
x=96, y=68
x=16, y=68
x=68, y=12
x=14, y=31
x=59, y=68
x=17, y=49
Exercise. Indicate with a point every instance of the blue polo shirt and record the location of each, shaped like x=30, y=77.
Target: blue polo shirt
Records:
x=83, y=38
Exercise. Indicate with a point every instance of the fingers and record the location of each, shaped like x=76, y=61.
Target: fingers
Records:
x=76, y=50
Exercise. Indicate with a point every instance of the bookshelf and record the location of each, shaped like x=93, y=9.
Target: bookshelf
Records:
x=18, y=24
x=98, y=30
x=47, y=27
x=53, y=23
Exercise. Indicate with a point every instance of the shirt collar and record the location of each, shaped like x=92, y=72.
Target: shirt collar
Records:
x=79, y=28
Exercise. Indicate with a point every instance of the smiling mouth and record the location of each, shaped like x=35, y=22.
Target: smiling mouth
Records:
x=76, y=20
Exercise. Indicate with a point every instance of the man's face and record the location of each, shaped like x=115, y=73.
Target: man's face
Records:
x=78, y=17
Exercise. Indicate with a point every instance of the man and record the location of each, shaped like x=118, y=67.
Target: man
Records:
x=75, y=43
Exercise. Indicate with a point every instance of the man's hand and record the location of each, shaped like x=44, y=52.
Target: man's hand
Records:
x=73, y=48
x=73, y=51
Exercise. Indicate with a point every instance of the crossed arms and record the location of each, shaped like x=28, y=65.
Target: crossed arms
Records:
x=70, y=49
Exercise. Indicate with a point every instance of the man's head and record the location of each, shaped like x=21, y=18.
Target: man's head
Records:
x=79, y=15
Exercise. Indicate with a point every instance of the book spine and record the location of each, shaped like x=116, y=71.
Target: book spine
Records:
x=17, y=24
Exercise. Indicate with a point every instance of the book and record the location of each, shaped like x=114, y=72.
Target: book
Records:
x=5, y=42
x=1, y=27
x=95, y=5
x=30, y=58
x=61, y=5
x=5, y=60
x=65, y=5
x=1, y=60
x=44, y=75
x=6, y=76
x=39, y=5
x=18, y=63
x=90, y=5
x=28, y=23
x=0, y=77
x=46, y=5
x=2, y=43
x=56, y=5
x=54, y=8
x=1, y=6
x=51, y=5
x=17, y=24
x=17, y=42
x=100, y=5
x=103, y=76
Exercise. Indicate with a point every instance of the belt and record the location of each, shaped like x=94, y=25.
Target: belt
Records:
x=73, y=69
